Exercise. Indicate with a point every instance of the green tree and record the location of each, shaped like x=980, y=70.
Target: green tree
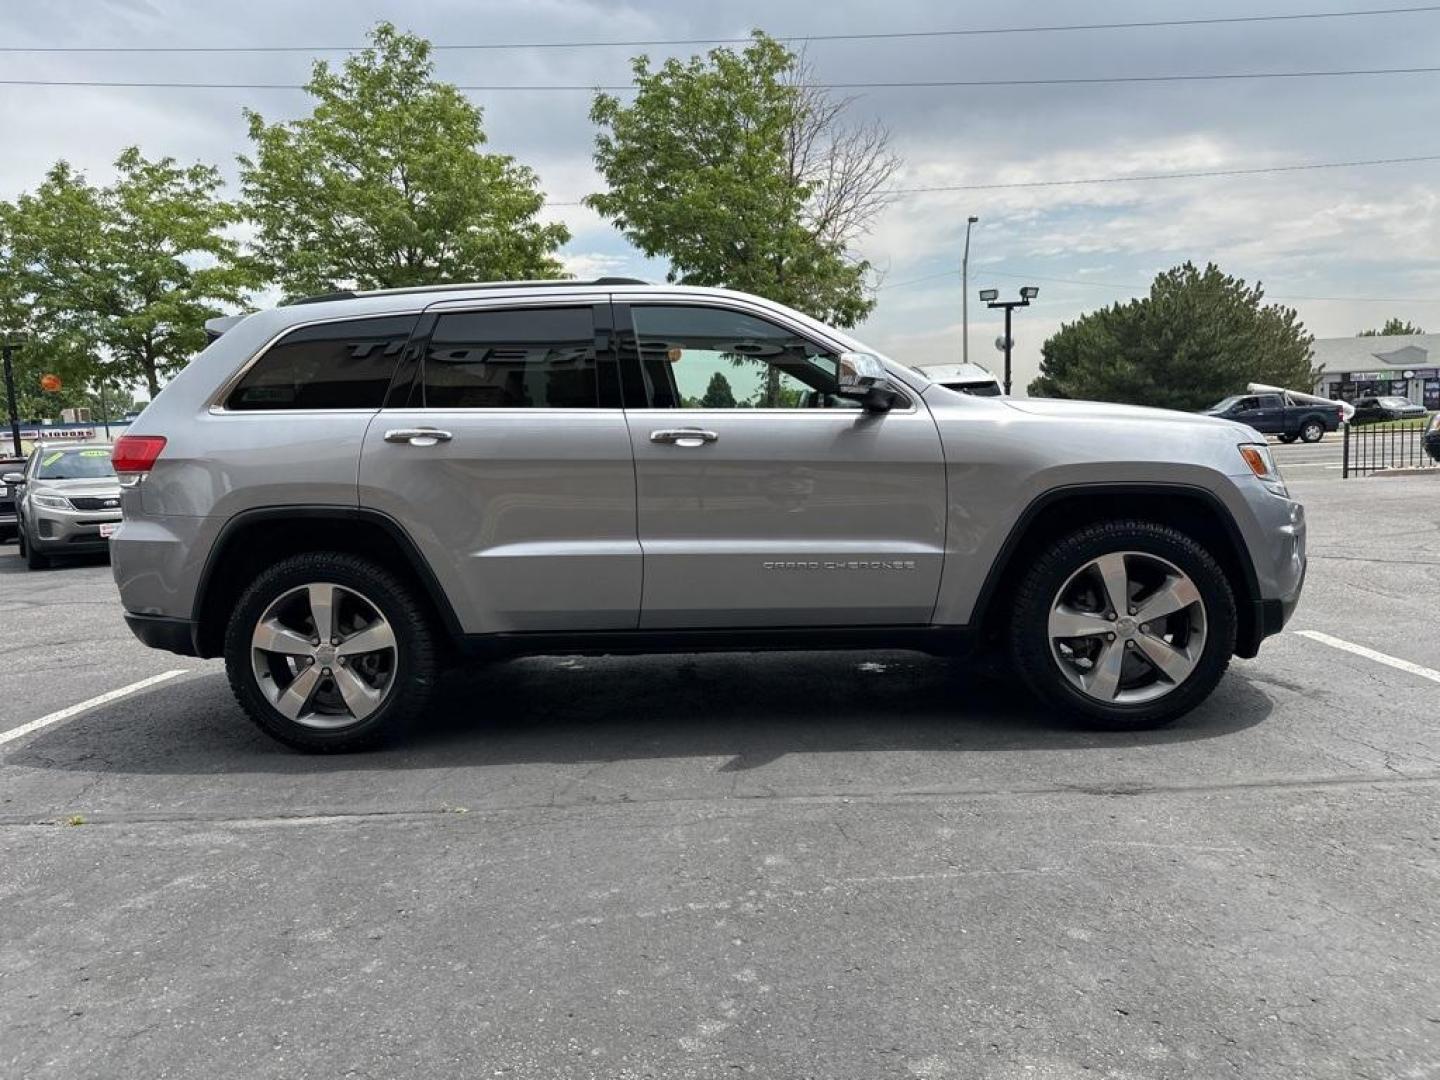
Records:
x=1197, y=337
x=718, y=394
x=117, y=282
x=384, y=184
x=171, y=265
x=742, y=174
x=36, y=236
x=1392, y=328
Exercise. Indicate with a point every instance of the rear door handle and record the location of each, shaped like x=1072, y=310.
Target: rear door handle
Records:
x=424, y=436
x=684, y=436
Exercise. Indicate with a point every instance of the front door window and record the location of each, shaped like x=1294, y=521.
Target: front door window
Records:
x=712, y=358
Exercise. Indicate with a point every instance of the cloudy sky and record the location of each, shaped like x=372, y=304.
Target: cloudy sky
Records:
x=1347, y=247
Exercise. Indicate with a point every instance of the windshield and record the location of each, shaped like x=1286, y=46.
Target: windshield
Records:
x=81, y=463
x=1395, y=402
x=975, y=389
x=1228, y=403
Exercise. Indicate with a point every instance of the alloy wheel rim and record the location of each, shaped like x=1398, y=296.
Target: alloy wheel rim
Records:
x=324, y=655
x=1127, y=628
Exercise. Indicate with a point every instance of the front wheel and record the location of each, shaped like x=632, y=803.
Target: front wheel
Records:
x=34, y=560
x=329, y=652
x=1128, y=624
x=1312, y=431
x=1287, y=439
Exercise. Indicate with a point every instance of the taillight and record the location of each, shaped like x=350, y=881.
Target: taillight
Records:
x=134, y=454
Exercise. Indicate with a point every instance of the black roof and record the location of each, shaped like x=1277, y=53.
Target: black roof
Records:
x=350, y=294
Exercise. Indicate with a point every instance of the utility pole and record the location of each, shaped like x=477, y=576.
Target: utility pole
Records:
x=1005, y=344
x=8, y=350
x=965, y=294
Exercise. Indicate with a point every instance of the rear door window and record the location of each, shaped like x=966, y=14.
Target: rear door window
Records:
x=335, y=365
x=518, y=358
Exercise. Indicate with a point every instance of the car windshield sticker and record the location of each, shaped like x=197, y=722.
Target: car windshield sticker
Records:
x=94, y=453
x=50, y=459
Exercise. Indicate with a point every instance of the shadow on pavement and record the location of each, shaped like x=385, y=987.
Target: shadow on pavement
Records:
x=749, y=708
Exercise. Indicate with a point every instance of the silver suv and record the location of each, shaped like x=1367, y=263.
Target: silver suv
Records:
x=341, y=495
x=67, y=500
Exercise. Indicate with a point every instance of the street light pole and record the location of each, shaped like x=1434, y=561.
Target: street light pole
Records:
x=1007, y=343
x=965, y=294
x=8, y=350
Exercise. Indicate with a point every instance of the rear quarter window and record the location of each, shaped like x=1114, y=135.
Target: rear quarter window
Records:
x=336, y=365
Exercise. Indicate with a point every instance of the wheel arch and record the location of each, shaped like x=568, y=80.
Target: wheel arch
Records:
x=254, y=539
x=1194, y=510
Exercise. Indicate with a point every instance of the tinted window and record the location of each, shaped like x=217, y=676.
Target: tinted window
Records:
x=711, y=358
x=339, y=365
x=528, y=358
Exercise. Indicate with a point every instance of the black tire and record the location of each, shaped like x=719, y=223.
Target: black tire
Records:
x=416, y=667
x=1312, y=431
x=34, y=560
x=1030, y=640
x=1287, y=439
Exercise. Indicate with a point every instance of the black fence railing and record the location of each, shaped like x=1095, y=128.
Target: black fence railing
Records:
x=1394, y=444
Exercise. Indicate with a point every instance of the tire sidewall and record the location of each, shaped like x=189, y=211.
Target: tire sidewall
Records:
x=1031, y=641
x=415, y=672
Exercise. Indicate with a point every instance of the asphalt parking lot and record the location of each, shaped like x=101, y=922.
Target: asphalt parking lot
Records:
x=855, y=865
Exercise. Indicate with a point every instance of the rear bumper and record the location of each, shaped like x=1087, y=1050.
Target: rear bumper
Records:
x=163, y=632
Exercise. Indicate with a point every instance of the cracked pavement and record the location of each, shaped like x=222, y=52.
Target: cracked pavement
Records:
x=851, y=865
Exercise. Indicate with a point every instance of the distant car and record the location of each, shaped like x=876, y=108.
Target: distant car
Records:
x=966, y=378
x=1369, y=410
x=1432, y=437
x=9, y=526
x=68, y=502
x=1281, y=415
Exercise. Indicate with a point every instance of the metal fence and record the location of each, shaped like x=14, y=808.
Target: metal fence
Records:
x=1396, y=444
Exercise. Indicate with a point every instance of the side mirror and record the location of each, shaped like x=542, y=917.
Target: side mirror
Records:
x=864, y=379
x=13, y=478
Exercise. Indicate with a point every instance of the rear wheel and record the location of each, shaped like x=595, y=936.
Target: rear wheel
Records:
x=329, y=652
x=1128, y=624
x=1312, y=431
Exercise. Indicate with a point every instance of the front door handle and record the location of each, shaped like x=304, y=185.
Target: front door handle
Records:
x=684, y=436
x=424, y=436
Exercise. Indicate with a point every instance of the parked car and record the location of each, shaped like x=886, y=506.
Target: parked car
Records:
x=8, y=495
x=965, y=378
x=336, y=496
x=1369, y=410
x=68, y=502
x=1432, y=438
x=1280, y=415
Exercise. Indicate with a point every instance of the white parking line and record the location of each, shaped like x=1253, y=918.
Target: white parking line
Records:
x=74, y=710
x=1371, y=654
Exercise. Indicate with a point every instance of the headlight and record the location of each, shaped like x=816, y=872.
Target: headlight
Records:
x=1434, y=425
x=54, y=502
x=1257, y=456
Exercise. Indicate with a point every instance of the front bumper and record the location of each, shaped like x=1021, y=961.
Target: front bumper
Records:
x=1276, y=542
x=163, y=632
x=69, y=530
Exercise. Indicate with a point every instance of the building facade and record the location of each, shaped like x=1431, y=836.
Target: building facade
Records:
x=1405, y=366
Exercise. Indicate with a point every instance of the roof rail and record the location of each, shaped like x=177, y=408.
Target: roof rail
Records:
x=458, y=286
